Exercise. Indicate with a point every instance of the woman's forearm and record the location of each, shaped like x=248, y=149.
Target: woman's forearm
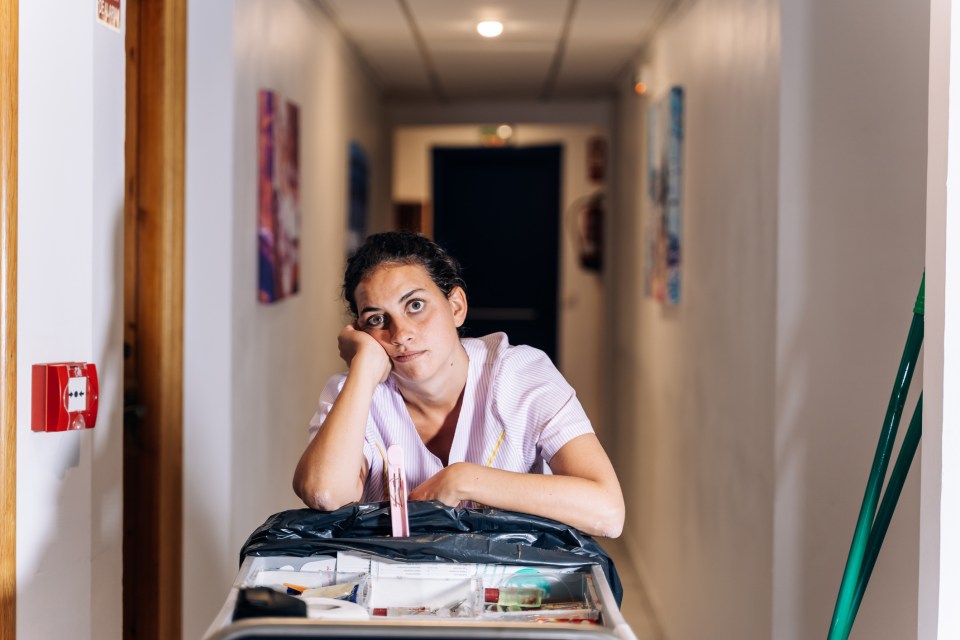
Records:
x=583, y=490
x=589, y=505
x=331, y=470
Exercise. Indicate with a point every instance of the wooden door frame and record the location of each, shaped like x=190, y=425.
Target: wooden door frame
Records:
x=153, y=318
x=9, y=96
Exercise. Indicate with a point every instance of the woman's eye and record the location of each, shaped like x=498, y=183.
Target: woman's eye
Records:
x=415, y=305
x=373, y=321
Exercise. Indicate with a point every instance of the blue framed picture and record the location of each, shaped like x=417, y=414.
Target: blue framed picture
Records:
x=662, y=254
x=358, y=198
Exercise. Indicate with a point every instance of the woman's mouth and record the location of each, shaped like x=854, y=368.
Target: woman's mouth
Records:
x=401, y=358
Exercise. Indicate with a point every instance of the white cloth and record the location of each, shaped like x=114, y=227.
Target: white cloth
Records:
x=517, y=412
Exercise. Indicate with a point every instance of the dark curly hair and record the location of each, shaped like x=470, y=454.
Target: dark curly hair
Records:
x=400, y=247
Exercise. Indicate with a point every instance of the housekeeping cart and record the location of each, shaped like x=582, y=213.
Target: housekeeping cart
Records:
x=461, y=573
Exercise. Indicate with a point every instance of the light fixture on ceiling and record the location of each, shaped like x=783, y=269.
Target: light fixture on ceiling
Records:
x=490, y=28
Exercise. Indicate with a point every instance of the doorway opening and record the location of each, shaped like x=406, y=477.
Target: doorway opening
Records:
x=497, y=209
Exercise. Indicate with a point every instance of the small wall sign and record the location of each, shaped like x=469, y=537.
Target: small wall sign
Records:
x=108, y=13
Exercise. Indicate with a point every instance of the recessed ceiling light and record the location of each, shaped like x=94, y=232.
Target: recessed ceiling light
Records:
x=490, y=28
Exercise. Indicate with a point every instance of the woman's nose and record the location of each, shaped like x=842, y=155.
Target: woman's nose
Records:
x=401, y=332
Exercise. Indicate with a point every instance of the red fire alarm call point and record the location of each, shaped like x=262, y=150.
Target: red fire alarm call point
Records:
x=65, y=396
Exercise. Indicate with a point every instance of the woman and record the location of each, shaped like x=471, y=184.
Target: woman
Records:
x=477, y=418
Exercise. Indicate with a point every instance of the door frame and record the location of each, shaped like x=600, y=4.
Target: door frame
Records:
x=9, y=96
x=153, y=316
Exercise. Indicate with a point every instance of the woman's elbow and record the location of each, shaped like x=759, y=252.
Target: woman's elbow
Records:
x=315, y=496
x=610, y=518
x=609, y=524
x=614, y=525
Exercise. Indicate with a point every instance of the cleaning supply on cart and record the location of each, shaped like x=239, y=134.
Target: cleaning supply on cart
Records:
x=513, y=598
x=528, y=577
x=346, y=591
x=294, y=589
x=264, y=602
x=397, y=481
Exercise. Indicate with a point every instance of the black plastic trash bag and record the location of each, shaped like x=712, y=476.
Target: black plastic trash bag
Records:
x=438, y=533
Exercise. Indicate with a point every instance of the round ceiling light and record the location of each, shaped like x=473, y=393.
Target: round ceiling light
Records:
x=490, y=28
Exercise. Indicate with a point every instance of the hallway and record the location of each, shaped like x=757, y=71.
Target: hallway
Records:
x=635, y=607
x=739, y=398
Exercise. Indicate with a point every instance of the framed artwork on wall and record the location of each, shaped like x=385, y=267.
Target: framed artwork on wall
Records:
x=662, y=250
x=278, y=196
x=359, y=197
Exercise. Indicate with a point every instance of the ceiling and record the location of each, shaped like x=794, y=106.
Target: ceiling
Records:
x=549, y=49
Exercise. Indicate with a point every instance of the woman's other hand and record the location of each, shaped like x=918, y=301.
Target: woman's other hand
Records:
x=447, y=485
x=583, y=490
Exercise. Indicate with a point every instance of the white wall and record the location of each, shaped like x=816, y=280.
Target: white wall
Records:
x=850, y=259
x=753, y=410
x=253, y=372
x=938, y=616
x=209, y=550
x=694, y=384
x=581, y=295
x=70, y=284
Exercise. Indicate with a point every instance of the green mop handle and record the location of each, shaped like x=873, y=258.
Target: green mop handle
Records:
x=844, y=610
x=890, y=497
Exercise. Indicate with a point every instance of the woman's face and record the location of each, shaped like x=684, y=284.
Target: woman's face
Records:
x=408, y=314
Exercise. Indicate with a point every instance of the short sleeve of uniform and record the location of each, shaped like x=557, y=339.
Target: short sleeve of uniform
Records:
x=530, y=392
x=327, y=397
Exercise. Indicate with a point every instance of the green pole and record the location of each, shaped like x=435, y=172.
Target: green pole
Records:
x=890, y=498
x=843, y=608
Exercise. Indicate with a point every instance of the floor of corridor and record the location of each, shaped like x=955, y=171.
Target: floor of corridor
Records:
x=635, y=607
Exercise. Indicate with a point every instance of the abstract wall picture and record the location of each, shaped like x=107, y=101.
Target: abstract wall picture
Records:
x=358, y=197
x=665, y=186
x=278, y=196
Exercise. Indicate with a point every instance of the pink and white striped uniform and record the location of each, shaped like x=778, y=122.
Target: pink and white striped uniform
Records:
x=517, y=412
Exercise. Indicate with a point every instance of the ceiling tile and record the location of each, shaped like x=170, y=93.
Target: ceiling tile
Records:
x=604, y=36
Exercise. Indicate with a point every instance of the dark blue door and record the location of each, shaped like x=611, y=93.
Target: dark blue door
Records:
x=498, y=211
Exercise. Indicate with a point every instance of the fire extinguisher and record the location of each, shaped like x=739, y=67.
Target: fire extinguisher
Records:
x=590, y=236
